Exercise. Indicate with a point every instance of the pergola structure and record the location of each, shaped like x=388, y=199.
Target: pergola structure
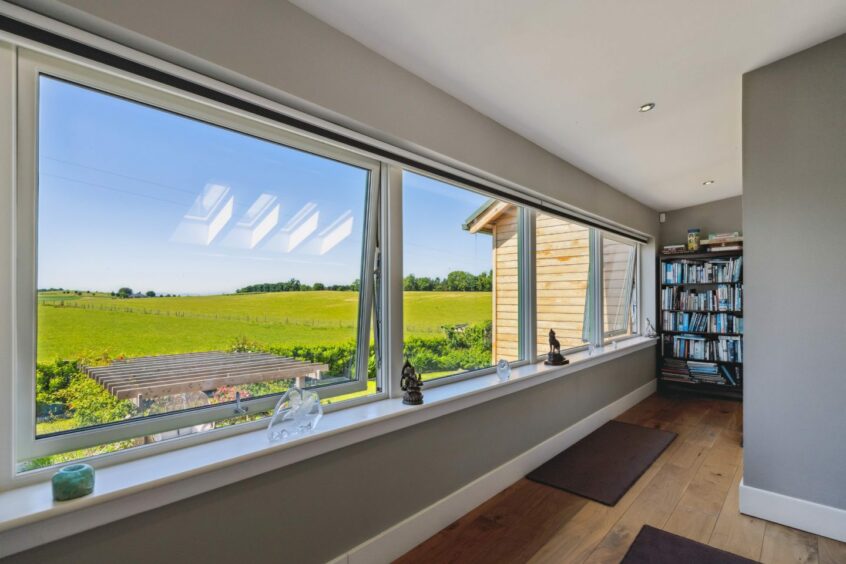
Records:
x=158, y=376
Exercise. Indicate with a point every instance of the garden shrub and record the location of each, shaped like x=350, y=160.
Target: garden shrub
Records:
x=91, y=404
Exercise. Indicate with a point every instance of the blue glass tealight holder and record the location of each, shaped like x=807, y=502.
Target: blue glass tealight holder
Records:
x=73, y=481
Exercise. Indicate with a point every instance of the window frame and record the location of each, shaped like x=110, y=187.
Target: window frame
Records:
x=384, y=222
x=524, y=293
x=31, y=65
x=634, y=299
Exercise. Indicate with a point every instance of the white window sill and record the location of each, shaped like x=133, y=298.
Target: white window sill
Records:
x=29, y=516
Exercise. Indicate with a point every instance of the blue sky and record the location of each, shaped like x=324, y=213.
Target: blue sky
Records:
x=134, y=196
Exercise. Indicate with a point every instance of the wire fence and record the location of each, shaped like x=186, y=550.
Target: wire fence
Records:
x=261, y=318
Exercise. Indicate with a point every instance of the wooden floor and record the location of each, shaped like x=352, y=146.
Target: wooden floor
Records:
x=691, y=490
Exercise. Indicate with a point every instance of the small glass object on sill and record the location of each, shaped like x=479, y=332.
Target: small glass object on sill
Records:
x=73, y=481
x=297, y=412
x=503, y=370
x=591, y=349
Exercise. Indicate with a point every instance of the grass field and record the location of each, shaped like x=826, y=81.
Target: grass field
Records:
x=70, y=325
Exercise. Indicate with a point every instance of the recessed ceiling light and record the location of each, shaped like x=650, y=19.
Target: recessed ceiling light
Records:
x=707, y=183
x=647, y=107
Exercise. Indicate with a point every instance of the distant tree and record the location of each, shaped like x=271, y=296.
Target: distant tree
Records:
x=318, y=286
x=409, y=283
x=150, y=294
x=124, y=292
x=456, y=281
x=460, y=281
x=426, y=284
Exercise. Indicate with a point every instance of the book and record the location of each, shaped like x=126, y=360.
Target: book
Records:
x=721, y=248
x=721, y=240
x=699, y=271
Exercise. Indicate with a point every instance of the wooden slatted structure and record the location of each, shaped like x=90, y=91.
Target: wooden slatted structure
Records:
x=563, y=270
x=563, y=250
x=157, y=376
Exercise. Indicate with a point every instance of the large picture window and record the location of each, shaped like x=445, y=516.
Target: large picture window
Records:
x=460, y=279
x=179, y=264
x=184, y=266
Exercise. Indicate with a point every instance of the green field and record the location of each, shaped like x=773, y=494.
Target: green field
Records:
x=70, y=325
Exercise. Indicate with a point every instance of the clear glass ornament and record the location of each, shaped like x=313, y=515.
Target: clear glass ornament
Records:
x=503, y=370
x=297, y=412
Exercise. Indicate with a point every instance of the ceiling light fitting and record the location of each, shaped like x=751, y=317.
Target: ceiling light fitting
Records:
x=647, y=107
x=707, y=183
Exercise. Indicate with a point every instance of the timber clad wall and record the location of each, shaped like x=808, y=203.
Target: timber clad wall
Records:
x=505, y=286
x=563, y=263
x=563, y=251
x=563, y=260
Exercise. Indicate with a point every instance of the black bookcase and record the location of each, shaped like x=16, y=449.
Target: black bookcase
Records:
x=700, y=323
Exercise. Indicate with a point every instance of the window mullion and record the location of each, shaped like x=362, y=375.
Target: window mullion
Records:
x=596, y=283
x=528, y=285
x=7, y=199
x=391, y=287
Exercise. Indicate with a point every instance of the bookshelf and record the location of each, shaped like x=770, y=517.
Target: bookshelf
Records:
x=700, y=300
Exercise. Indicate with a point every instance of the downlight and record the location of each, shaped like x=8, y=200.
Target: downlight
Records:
x=647, y=107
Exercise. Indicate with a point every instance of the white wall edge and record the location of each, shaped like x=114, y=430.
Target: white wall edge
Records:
x=402, y=537
x=801, y=514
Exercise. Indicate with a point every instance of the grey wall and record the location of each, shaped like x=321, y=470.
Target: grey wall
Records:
x=794, y=219
x=714, y=217
x=315, y=510
x=274, y=43
x=319, y=508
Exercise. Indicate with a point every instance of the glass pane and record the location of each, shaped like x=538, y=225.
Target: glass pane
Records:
x=618, y=283
x=460, y=278
x=563, y=271
x=180, y=263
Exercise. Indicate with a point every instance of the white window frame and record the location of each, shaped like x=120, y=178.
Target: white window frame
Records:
x=30, y=66
x=610, y=336
x=525, y=293
x=384, y=217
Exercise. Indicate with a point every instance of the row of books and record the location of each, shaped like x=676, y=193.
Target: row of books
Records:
x=702, y=322
x=714, y=270
x=694, y=371
x=721, y=298
x=697, y=347
x=675, y=249
x=719, y=242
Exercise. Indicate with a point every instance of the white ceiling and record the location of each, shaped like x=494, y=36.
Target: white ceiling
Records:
x=571, y=74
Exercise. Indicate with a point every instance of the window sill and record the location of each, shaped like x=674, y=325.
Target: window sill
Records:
x=139, y=485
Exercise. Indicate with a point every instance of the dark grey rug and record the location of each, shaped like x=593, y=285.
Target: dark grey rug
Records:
x=654, y=546
x=605, y=464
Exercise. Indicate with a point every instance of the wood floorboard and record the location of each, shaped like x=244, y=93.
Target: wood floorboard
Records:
x=831, y=551
x=784, y=545
x=691, y=489
x=735, y=532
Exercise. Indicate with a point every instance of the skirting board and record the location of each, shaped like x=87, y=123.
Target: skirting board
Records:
x=402, y=537
x=822, y=520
